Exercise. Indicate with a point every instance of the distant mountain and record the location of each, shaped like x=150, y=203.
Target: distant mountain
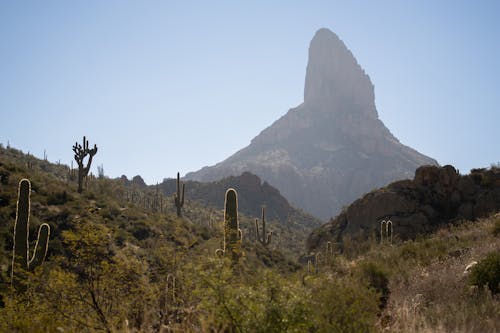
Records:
x=252, y=195
x=330, y=149
x=434, y=197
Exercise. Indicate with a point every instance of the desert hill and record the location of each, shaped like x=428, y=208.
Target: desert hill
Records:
x=253, y=194
x=436, y=196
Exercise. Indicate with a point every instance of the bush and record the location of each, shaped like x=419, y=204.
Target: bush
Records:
x=377, y=279
x=342, y=306
x=58, y=198
x=487, y=272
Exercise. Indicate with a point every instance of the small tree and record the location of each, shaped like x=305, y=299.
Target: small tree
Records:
x=80, y=153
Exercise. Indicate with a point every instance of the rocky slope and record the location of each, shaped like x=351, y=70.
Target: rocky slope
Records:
x=252, y=195
x=332, y=148
x=434, y=197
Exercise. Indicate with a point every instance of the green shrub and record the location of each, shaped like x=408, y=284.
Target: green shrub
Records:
x=487, y=272
x=377, y=279
x=342, y=306
x=57, y=198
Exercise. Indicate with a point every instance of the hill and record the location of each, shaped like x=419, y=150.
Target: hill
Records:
x=253, y=194
x=119, y=259
x=434, y=197
x=332, y=148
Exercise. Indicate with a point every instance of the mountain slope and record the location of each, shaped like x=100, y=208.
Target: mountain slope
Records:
x=332, y=148
x=252, y=195
x=435, y=196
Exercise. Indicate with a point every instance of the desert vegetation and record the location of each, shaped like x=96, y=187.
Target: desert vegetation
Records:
x=121, y=259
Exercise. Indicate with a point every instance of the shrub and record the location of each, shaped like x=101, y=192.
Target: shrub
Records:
x=342, y=306
x=58, y=198
x=377, y=279
x=487, y=272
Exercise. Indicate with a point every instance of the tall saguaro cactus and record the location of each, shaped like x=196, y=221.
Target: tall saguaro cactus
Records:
x=179, y=196
x=20, y=255
x=386, y=231
x=232, y=232
x=80, y=153
x=265, y=239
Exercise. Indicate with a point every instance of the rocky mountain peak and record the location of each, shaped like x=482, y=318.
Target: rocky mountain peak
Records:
x=329, y=150
x=334, y=77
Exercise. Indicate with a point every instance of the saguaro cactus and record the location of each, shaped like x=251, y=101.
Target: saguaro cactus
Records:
x=265, y=239
x=179, y=196
x=232, y=232
x=329, y=252
x=316, y=262
x=386, y=231
x=20, y=255
x=80, y=153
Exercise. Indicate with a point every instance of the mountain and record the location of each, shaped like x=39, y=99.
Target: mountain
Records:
x=332, y=148
x=252, y=195
x=435, y=196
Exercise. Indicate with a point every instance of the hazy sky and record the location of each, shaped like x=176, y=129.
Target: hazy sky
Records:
x=164, y=86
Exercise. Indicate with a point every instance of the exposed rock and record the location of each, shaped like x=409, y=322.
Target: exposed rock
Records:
x=138, y=181
x=331, y=149
x=435, y=196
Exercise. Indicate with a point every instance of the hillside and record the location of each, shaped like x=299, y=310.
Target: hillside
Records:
x=117, y=261
x=332, y=148
x=434, y=197
x=253, y=195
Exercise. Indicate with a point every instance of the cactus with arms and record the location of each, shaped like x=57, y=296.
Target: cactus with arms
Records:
x=265, y=239
x=80, y=153
x=232, y=232
x=179, y=196
x=21, y=233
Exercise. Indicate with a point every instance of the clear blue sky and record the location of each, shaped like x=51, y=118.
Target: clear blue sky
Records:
x=164, y=86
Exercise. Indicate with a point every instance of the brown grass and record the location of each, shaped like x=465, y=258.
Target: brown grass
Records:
x=438, y=297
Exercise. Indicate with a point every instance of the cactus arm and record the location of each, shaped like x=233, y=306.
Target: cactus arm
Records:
x=41, y=247
x=219, y=252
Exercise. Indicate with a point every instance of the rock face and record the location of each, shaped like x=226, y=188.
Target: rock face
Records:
x=332, y=148
x=435, y=196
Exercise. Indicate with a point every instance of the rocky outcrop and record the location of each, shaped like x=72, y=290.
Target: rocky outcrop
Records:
x=332, y=148
x=435, y=196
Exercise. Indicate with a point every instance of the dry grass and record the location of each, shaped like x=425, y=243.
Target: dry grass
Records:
x=437, y=297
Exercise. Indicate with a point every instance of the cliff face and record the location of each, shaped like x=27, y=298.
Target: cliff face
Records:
x=434, y=197
x=332, y=148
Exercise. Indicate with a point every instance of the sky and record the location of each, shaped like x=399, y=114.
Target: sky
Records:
x=164, y=86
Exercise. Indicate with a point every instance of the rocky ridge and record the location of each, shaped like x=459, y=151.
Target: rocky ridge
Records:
x=435, y=196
